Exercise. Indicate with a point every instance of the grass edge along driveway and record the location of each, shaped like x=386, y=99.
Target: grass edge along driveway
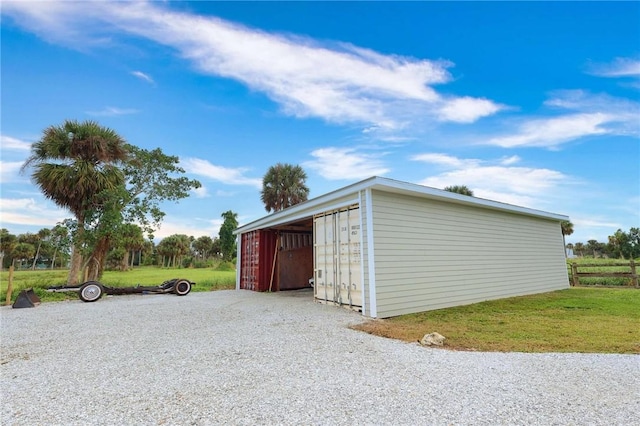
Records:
x=587, y=320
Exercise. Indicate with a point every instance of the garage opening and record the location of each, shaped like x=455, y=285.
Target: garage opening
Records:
x=322, y=252
x=278, y=258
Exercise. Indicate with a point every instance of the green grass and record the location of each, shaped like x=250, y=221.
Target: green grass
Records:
x=206, y=280
x=590, y=320
x=604, y=265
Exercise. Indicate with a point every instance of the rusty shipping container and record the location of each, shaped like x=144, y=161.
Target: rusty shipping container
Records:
x=257, y=251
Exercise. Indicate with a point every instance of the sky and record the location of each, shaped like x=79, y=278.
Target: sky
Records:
x=535, y=104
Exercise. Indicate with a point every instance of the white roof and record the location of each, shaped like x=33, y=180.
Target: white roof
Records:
x=293, y=213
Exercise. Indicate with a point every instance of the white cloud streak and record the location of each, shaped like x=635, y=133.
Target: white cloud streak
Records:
x=345, y=163
x=589, y=115
x=9, y=171
x=495, y=180
x=28, y=211
x=143, y=76
x=620, y=67
x=14, y=144
x=112, y=112
x=225, y=175
x=337, y=82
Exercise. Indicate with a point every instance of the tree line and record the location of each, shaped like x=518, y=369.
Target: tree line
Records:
x=620, y=245
x=52, y=248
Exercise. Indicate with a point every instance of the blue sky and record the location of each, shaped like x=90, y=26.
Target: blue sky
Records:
x=533, y=104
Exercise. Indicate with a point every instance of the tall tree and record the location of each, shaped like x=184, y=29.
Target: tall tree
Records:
x=42, y=234
x=203, y=247
x=226, y=237
x=459, y=189
x=283, y=186
x=23, y=252
x=8, y=242
x=567, y=229
x=72, y=163
x=130, y=239
x=151, y=177
x=60, y=241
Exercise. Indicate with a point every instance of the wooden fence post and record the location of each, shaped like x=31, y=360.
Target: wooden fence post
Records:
x=633, y=272
x=10, y=287
x=574, y=274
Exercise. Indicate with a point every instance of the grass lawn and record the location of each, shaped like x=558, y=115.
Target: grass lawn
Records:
x=206, y=279
x=590, y=320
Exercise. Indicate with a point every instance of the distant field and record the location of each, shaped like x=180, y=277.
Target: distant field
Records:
x=206, y=280
x=604, y=265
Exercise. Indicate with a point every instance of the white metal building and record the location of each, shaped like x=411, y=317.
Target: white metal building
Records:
x=389, y=248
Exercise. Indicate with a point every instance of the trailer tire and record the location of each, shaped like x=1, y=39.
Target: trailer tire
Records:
x=182, y=288
x=90, y=291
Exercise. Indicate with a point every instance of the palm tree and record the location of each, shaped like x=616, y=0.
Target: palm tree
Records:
x=72, y=164
x=42, y=235
x=459, y=189
x=283, y=186
x=567, y=229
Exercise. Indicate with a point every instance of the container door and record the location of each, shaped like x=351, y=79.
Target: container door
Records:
x=324, y=270
x=337, y=273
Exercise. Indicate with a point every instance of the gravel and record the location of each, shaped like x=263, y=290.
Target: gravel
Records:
x=245, y=358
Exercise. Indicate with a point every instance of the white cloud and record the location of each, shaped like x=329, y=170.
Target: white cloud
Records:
x=9, y=171
x=337, y=82
x=467, y=109
x=551, y=132
x=226, y=175
x=113, y=111
x=589, y=115
x=445, y=160
x=29, y=212
x=201, y=192
x=171, y=226
x=14, y=144
x=345, y=163
x=523, y=186
x=507, y=161
x=620, y=67
x=142, y=76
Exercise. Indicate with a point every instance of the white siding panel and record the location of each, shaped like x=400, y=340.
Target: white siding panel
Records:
x=431, y=254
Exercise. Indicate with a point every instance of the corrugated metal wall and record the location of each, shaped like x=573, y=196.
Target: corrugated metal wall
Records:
x=337, y=272
x=258, y=248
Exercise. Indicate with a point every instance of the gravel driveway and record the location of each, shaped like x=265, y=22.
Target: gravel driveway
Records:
x=245, y=358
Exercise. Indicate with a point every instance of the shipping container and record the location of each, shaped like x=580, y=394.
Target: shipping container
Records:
x=338, y=273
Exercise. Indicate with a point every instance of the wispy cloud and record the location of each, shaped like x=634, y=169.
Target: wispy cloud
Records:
x=172, y=225
x=201, y=192
x=338, y=82
x=28, y=211
x=345, y=163
x=590, y=114
x=113, y=111
x=620, y=67
x=225, y=175
x=143, y=76
x=14, y=144
x=9, y=170
x=495, y=180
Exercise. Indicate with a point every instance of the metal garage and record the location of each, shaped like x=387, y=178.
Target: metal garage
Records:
x=387, y=248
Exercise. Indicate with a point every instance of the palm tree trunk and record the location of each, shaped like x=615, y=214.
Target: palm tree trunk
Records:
x=35, y=259
x=124, y=264
x=98, y=259
x=76, y=256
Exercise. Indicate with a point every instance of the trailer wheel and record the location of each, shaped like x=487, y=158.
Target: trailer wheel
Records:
x=182, y=288
x=90, y=291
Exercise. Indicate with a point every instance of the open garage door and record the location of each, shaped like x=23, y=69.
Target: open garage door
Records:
x=337, y=271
